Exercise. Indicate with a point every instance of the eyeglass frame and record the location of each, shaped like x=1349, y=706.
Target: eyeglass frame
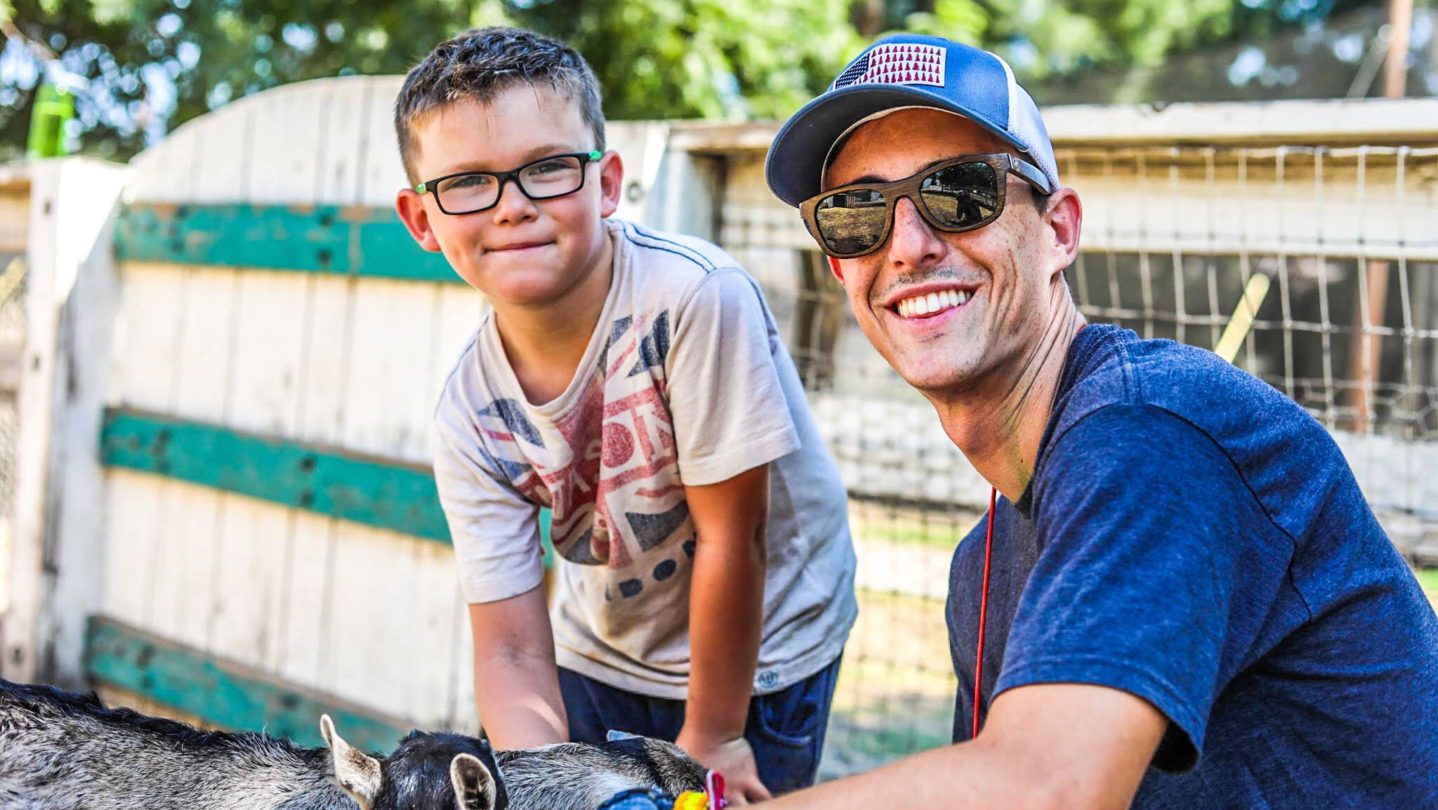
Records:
x=909, y=187
x=432, y=186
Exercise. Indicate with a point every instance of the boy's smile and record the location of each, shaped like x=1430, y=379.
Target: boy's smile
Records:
x=531, y=254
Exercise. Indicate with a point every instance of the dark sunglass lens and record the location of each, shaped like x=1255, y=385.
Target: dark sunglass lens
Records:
x=962, y=196
x=851, y=222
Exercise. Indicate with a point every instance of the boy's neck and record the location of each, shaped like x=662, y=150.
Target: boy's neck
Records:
x=545, y=344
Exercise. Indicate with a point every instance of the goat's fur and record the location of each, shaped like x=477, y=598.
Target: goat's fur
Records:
x=60, y=751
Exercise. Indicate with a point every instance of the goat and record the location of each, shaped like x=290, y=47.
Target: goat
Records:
x=61, y=751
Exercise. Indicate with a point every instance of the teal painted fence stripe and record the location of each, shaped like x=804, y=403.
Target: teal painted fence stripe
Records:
x=354, y=240
x=377, y=493
x=223, y=694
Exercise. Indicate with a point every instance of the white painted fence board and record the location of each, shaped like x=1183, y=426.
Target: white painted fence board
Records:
x=206, y=337
x=264, y=398
x=305, y=634
x=202, y=384
x=309, y=632
x=326, y=364
x=641, y=146
x=383, y=173
x=341, y=145
x=372, y=655
x=144, y=555
x=456, y=320
x=463, y=713
x=269, y=338
x=148, y=338
x=166, y=172
x=132, y=505
x=183, y=574
x=222, y=152
x=55, y=573
x=390, y=387
x=428, y=682
x=285, y=145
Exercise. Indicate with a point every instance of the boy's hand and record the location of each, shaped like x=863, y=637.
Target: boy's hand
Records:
x=733, y=758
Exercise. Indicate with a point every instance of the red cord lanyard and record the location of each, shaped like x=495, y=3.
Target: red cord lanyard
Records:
x=984, y=609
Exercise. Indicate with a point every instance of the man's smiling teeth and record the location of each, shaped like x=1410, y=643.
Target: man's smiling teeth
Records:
x=934, y=302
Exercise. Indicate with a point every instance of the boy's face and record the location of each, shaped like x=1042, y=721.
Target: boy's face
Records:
x=521, y=252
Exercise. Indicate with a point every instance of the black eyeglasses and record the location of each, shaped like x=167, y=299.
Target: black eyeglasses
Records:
x=543, y=179
x=954, y=196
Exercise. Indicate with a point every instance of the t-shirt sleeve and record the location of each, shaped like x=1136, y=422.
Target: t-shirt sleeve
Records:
x=730, y=412
x=1142, y=582
x=495, y=531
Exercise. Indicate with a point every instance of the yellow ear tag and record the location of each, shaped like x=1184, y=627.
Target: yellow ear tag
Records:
x=690, y=800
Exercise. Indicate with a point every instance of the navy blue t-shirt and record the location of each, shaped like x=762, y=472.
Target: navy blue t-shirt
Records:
x=1193, y=537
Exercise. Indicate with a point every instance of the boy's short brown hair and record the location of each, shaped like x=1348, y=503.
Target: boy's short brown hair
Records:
x=479, y=64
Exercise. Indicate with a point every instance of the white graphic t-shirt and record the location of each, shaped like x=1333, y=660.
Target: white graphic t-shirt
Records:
x=685, y=382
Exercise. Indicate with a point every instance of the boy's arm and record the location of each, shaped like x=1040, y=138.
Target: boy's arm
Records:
x=726, y=610
x=516, y=682
x=1043, y=746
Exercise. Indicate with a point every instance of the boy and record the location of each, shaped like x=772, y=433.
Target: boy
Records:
x=633, y=383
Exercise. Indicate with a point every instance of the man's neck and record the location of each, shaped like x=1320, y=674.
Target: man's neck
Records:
x=545, y=344
x=1000, y=423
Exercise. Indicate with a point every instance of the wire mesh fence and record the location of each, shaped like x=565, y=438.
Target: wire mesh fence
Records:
x=1315, y=268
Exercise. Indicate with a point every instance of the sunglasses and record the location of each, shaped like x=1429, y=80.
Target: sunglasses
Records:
x=953, y=196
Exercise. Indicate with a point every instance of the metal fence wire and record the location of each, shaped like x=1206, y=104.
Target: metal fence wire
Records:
x=1313, y=268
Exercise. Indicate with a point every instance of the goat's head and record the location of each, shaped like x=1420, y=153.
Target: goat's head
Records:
x=426, y=772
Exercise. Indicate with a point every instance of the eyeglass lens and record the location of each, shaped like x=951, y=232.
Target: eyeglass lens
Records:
x=958, y=197
x=551, y=177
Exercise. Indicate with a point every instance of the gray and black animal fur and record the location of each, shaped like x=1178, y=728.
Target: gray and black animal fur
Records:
x=61, y=751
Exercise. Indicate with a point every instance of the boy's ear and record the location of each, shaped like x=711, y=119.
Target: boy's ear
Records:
x=835, y=269
x=611, y=182
x=410, y=207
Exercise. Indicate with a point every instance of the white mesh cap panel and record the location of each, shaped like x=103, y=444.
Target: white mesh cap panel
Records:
x=1027, y=126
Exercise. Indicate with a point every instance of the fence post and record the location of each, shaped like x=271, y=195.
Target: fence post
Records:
x=56, y=553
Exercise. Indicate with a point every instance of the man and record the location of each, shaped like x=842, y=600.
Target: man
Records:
x=1188, y=601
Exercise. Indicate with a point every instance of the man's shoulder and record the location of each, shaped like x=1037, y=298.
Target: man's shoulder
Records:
x=1110, y=366
x=1187, y=404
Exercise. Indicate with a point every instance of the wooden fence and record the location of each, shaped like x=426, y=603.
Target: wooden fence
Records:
x=224, y=507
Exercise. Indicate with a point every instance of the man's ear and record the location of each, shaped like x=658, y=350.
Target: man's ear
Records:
x=410, y=207
x=834, y=268
x=611, y=182
x=1065, y=220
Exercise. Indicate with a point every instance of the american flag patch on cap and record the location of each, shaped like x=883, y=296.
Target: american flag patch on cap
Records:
x=896, y=64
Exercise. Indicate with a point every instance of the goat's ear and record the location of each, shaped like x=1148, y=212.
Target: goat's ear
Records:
x=357, y=772
x=473, y=783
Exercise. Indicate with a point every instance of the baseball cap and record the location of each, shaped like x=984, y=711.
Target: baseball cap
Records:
x=907, y=70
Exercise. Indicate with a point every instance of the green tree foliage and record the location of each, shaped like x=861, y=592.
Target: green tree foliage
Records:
x=655, y=59
x=703, y=58
x=142, y=67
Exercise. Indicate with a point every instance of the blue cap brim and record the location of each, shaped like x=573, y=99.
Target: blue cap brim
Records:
x=796, y=157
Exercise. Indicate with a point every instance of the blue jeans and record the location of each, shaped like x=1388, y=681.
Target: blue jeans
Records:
x=785, y=729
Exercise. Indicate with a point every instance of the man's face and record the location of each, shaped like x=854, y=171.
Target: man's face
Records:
x=520, y=252
x=1002, y=268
